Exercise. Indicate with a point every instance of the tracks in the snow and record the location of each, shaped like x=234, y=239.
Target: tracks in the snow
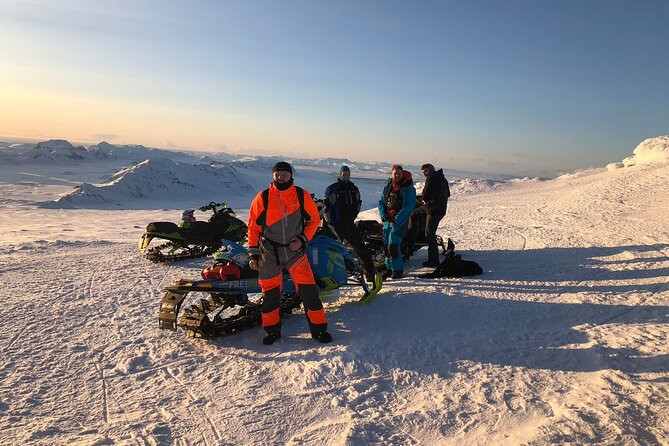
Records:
x=197, y=413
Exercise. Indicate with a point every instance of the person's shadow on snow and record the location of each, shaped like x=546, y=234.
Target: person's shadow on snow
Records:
x=552, y=308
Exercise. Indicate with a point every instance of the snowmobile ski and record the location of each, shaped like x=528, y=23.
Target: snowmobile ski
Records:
x=371, y=294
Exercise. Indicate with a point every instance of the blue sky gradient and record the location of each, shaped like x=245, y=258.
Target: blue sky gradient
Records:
x=520, y=87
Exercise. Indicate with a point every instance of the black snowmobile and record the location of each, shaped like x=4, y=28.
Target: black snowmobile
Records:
x=372, y=235
x=191, y=239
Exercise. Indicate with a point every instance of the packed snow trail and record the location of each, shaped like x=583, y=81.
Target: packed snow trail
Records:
x=562, y=340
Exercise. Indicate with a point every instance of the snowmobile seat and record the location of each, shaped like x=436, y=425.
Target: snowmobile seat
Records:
x=166, y=227
x=369, y=227
x=198, y=232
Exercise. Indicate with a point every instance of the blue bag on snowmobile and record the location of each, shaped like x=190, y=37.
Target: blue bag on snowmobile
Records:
x=331, y=263
x=328, y=259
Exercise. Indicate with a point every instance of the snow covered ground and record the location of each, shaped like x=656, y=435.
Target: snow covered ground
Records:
x=563, y=339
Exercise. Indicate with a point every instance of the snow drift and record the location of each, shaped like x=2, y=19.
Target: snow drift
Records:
x=652, y=150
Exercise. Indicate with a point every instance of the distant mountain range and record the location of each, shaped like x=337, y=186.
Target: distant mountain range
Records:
x=160, y=178
x=59, y=149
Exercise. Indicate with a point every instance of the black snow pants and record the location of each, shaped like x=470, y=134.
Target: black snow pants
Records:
x=431, y=225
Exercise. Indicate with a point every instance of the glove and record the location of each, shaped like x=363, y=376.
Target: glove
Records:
x=303, y=243
x=253, y=262
x=254, y=253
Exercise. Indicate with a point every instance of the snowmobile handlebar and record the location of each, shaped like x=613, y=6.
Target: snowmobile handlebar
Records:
x=321, y=205
x=213, y=206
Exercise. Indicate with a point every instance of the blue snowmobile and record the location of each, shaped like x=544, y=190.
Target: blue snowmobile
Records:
x=228, y=283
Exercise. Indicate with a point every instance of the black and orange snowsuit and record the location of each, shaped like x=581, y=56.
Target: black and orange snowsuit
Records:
x=270, y=231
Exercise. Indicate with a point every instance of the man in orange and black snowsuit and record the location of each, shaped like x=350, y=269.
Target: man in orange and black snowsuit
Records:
x=280, y=225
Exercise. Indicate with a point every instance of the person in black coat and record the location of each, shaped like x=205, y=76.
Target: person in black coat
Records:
x=435, y=195
x=342, y=199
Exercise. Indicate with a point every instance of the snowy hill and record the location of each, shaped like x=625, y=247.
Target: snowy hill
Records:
x=53, y=150
x=135, y=152
x=562, y=340
x=652, y=150
x=160, y=182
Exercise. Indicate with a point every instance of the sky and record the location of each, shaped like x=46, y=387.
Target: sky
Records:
x=516, y=87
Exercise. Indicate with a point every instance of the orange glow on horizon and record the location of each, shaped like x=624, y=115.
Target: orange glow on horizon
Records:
x=36, y=114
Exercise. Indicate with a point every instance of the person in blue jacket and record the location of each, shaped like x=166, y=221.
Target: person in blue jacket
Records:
x=395, y=206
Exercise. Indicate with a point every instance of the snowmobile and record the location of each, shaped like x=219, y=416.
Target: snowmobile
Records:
x=229, y=282
x=191, y=238
x=372, y=235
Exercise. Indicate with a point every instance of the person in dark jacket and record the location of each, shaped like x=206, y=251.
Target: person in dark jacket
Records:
x=342, y=199
x=435, y=195
x=396, y=204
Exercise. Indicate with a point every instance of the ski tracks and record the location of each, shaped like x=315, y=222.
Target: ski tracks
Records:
x=365, y=411
x=211, y=436
x=105, y=402
x=13, y=339
x=72, y=311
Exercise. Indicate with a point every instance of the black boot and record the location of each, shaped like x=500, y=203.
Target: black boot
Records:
x=431, y=263
x=270, y=338
x=322, y=337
